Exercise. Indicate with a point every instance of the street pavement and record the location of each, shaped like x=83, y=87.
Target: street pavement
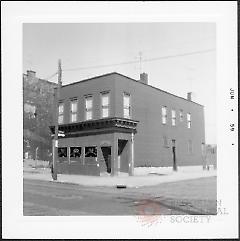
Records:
x=48, y=198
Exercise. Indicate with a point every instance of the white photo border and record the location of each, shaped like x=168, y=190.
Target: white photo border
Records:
x=14, y=14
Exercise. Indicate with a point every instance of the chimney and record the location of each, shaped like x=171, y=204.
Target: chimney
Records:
x=189, y=96
x=144, y=78
x=31, y=73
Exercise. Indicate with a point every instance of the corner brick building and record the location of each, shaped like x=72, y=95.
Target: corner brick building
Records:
x=113, y=123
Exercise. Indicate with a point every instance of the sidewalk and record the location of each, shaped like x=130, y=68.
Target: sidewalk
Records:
x=143, y=176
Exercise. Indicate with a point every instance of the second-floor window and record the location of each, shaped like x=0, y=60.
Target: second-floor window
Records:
x=173, y=117
x=60, y=113
x=89, y=107
x=126, y=106
x=105, y=104
x=73, y=110
x=164, y=115
x=189, y=121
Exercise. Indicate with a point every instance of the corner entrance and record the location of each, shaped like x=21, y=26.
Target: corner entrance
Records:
x=106, y=150
x=123, y=157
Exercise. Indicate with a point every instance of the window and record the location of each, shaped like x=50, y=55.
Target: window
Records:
x=126, y=106
x=30, y=109
x=190, y=147
x=89, y=107
x=203, y=148
x=164, y=115
x=60, y=113
x=173, y=117
x=165, y=141
x=73, y=111
x=105, y=104
x=188, y=120
x=91, y=151
x=75, y=152
x=62, y=152
x=181, y=115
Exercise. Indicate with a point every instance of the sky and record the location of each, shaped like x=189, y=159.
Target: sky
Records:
x=178, y=57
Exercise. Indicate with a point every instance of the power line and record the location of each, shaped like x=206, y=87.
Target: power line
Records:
x=100, y=66
x=180, y=55
x=134, y=62
x=51, y=76
x=142, y=60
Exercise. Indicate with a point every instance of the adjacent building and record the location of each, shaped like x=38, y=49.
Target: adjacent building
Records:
x=37, y=116
x=210, y=156
x=113, y=123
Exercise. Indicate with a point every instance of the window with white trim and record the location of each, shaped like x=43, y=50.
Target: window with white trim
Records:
x=60, y=113
x=89, y=107
x=164, y=115
x=173, y=117
x=126, y=106
x=189, y=120
x=105, y=99
x=73, y=110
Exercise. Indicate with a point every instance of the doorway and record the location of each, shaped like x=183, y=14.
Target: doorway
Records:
x=174, y=155
x=123, y=155
x=106, y=150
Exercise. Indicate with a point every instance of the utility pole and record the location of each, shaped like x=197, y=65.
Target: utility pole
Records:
x=55, y=154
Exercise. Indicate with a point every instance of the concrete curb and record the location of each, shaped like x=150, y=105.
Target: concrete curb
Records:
x=130, y=182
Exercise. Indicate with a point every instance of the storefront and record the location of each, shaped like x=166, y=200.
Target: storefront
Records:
x=95, y=147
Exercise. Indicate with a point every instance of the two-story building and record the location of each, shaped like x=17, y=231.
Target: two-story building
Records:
x=125, y=123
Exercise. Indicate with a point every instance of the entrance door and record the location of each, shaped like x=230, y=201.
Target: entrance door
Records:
x=106, y=150
x=174, y=155
x=123, y=155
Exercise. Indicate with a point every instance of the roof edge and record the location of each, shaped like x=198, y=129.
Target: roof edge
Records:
x=111, y=73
